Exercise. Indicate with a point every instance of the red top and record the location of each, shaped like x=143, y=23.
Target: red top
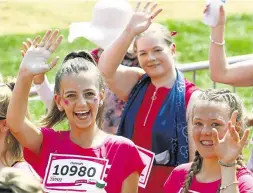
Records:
x=175, y=182
x=119, y=152
x=142, y=135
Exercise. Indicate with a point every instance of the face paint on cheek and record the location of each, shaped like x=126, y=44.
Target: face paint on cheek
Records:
x=95, y=100
x=66, y=102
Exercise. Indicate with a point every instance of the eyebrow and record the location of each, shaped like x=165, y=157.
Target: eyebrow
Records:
x=152, y=48
x=210, y=119
x=73, y=92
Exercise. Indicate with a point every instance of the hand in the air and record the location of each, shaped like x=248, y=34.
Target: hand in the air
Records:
x=142, y=19
x=230, y=146
x=36, y=54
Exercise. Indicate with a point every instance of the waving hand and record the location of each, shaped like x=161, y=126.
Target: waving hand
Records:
x=230, y=146
x=142, y=19
x=38, y=53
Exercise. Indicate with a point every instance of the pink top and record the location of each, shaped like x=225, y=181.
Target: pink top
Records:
x=175, y=182
x=118, y=150
x=142, y=135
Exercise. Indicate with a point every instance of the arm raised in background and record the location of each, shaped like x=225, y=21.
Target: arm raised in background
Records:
x=121, y=79
x=44, y=90
x=33, y=63
x=239, y=74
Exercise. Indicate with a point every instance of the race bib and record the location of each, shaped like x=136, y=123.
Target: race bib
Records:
x=72, y=173
x=148, y=158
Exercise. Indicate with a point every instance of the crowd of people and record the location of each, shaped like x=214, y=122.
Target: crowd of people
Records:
x=134, y=121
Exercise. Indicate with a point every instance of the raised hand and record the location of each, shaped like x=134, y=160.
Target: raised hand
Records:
x=142, y=19
x=37, y=54
x=38, y=79
x=222, y=15
x=230, y=146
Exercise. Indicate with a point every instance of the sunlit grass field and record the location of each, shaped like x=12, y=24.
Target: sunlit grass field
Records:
x=19, y=22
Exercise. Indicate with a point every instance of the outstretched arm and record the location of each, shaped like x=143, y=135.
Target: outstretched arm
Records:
x=33, y=63
x=239, y=74
x=121, y=79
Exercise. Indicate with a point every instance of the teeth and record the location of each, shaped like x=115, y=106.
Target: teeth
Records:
x=207, y=142
x=82, y=112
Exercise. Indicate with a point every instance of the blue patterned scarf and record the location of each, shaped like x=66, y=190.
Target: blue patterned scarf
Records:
x=169, y=132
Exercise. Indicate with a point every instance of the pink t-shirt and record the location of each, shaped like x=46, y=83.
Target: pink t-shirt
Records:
x=119, y=152
x=175, y=182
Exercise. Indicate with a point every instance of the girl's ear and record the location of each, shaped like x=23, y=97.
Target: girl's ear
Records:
x=57, y=100
x=3, y=126
x=102, y=95
x=173, y=48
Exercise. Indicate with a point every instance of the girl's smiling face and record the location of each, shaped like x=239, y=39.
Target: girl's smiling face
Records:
x=206, y=116
x=80, y=98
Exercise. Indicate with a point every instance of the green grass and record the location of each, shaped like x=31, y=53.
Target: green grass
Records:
x=192, y=45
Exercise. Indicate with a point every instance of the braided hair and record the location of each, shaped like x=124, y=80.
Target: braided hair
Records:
x=234, y=103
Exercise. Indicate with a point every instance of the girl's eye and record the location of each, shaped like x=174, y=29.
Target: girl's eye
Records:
x=197, y=124
x=89, y=94
x=215, y=125
x=142, y=54
x=71, y=96
x=158, y=50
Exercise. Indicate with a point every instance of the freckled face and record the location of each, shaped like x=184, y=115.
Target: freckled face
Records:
x=80, y=97
x=208, y=115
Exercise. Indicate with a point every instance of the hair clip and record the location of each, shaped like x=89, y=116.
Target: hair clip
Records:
x=173, y=33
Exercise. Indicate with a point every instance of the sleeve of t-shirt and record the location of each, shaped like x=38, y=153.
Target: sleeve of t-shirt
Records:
x=94, y=53
x=170, y=184
x=33, y=158
x=246, y=183
x=175, y=181
x=134, y=162
x=189, y=89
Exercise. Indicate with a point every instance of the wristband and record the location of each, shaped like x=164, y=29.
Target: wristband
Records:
x=227, y=165
x=217, y=43
x=224, y=187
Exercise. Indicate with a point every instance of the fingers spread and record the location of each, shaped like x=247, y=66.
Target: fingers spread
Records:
x=137, y=6
x=245, y=137
x=29, y=42
x=153, y=8
x=22, y=53
x=234, y=134
x=51, y=39
x=26, y=47
x=35, y=41
x=54, y=62
x=56, y=44
x=45, y=38
x=156, y=13
x=146, y=6
x=234, y=117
